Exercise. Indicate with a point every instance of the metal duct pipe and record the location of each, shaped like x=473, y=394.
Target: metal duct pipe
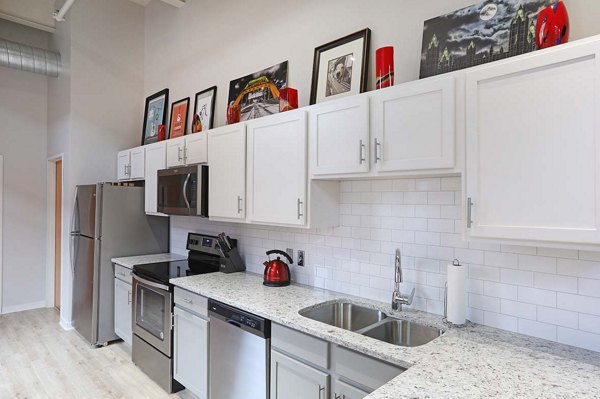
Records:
x=31, y=59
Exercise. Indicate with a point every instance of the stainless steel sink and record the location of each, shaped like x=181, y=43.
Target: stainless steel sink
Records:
x=402, y=333
x=344, y=315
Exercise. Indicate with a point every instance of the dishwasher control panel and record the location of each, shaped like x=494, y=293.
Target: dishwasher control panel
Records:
x=239, y=318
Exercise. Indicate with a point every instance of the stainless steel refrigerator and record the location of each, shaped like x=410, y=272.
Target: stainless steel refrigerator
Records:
x=108, y=221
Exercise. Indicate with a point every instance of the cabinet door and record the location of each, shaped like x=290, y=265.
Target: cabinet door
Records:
x=533, y=147
x=227, y=172
x=156, y=159
x=123, y=310
x=341, y=390
x=291, y=379
x=123, y=159
x=196, y=149
x=190, y=348
x=339, y=136
x=175, y=148
x=277, y=175
x=414, y=126
x=136, y=164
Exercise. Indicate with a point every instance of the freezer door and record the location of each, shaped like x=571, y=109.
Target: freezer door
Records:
x=83, y=288
x=85, y=211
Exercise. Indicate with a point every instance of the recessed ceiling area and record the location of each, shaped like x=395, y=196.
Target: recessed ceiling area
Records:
x=34, y=13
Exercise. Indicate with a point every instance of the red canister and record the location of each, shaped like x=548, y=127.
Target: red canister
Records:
x=233, y=114
x=384, y=67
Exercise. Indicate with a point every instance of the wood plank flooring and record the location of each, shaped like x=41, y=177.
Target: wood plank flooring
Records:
x=38, y=359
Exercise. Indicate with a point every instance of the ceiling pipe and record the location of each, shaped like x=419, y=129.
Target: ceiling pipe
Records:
x=60, y=14
x=31, y=59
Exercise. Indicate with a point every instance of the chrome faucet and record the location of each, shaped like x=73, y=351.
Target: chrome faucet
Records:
x=397, y=299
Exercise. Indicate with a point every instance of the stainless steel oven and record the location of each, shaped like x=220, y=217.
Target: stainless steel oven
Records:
x=183, y=191
x=152, y=305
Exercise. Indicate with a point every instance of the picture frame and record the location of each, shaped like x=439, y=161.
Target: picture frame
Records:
x=204, y=110
x=155, y=113
x=179, y=118
x=336, y=71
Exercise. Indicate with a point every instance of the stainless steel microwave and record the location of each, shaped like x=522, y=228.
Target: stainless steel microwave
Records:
x=183, y=191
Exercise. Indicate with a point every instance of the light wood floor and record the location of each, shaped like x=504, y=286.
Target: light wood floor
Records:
x=38, y=359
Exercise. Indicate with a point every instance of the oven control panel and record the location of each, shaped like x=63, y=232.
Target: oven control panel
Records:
x=202, y=243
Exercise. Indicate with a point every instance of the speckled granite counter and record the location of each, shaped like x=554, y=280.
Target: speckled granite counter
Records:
x=131, y=261
x=471, y=362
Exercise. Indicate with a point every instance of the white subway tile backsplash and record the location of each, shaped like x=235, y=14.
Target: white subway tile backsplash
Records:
x=545, y=292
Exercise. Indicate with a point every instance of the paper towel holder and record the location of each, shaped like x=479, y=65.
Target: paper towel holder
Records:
x=455, y=262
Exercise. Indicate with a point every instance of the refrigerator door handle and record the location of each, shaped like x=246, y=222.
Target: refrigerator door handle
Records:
x=74, y=235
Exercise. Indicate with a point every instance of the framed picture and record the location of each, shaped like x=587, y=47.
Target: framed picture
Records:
x=204, y=110
x=155, y=114
x=257, y=94
x=485, y=32
x=179, y=118
x=341, y=68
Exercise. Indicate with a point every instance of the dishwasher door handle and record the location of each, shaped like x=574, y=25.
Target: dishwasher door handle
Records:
x=233, y=323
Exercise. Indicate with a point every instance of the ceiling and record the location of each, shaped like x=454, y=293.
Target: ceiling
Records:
x=34, y=13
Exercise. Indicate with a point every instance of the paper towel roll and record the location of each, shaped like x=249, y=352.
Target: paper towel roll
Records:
x=456, y=302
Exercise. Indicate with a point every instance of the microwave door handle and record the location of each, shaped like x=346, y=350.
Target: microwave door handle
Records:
x=185, y=198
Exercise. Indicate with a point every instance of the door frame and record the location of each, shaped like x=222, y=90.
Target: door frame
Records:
x=51, y=224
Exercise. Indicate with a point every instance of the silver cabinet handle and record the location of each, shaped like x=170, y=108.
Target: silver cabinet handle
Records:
x=187, y=300
x=121, y=274
x=125, y=170
x=321, y=389
x=377, y=144
x=469, y=212
x=361, y=152
x=185, y=154
x=129, y=170
x=342, y=396
x=179, y=158
x=129, y=297
x=300, y=214
x=239, y=201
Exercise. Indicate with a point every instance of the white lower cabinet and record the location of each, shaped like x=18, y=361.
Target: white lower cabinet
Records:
x=342, y=390
x=123, y=298
x=190, y=349
x=291, y=379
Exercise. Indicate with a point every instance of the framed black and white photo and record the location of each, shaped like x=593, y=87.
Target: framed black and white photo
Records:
x=204, y=110
x=155, y=114
x=341, y=67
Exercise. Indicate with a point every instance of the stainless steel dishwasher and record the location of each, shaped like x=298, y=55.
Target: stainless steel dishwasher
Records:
x=240, y=353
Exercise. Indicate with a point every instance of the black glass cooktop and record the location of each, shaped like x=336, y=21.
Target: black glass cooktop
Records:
x=164, y=271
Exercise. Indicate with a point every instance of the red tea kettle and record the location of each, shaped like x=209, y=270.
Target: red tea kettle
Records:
x=277, y=272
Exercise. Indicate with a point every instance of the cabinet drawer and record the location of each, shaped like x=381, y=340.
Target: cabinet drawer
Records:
x=123, y=273
x=305, y=347
x=194, y=302
x=365, y=370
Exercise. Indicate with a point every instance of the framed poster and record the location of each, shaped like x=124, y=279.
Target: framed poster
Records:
x=204, y=110
x=341, y=67
x=155, y=114
x=257, y=94
x=489, y=31
x=179, y=117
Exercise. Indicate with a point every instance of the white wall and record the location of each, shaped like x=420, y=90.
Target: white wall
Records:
x=98, y=103
x=23, y=108
x=541, y=292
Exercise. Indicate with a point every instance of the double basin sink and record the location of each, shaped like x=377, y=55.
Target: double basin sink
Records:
x=372, y=323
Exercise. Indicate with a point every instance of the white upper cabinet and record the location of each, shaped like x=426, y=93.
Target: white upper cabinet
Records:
x=130, y=164
x=156, y=159
x=339, y=136
x=414, y=126
x=123, y=159
x=533, y=147
x=175, y=152
x=277, y=170
x=227, y=172
x=196, y=148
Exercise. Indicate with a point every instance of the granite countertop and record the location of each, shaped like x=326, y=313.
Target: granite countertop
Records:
x=470, y=362
x=131, y=261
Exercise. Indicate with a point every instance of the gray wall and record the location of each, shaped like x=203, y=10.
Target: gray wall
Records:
x=23, y=108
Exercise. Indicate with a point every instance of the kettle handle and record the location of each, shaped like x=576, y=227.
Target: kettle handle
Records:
x=280, y=252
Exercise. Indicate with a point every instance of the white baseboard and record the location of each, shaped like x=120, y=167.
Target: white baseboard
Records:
x=23, y=307
x=66, y=325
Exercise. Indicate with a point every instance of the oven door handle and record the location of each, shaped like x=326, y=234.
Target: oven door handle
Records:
x=150, y=283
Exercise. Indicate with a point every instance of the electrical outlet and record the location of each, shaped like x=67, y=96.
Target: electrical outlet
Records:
x=300, y=257
x=290, y=252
